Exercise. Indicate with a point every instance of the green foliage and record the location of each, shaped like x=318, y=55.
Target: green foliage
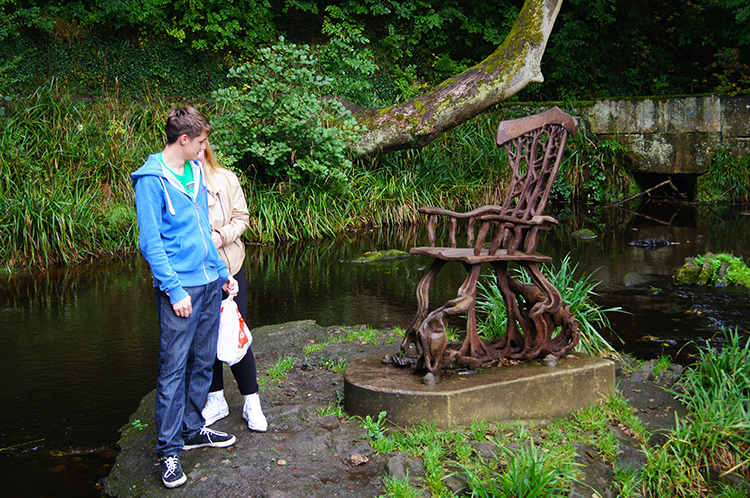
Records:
x=400, y=488
x=411, y=32
x=730, y=491
x=336, y=366
x=593, y=170
x=662, y=364
x=365, y=335
x=275, y=121
x=389, y=191
x=348, y=56
x=738, y=272
x=208, y=25
x=335, y=408
x=15, y=18
x=103, y=64
x=314, y=348
x=527, y=471
x=732, y=76
x=65, y=190
x=628, y=482
x=576, y=293
x=599, y=48
x=283, y=366
x=137, y=424
x=727, y=178
x=716, y=432
x=375, y=428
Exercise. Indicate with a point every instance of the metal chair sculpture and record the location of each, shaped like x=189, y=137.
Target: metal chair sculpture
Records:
x=535, y=147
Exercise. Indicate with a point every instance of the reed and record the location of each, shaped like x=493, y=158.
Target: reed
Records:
x=593, y=170
x=65, y=191
x=381, y=195
x=727, y=178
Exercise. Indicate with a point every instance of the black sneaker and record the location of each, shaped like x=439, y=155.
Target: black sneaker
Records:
x=209, y=437
x=171, y=472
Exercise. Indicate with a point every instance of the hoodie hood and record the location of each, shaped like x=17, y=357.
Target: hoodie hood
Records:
x=154, y=166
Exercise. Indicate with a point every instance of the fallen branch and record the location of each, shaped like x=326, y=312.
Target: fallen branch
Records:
x=648, y=191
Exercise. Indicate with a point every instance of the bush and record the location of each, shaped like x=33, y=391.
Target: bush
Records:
x=275, y=121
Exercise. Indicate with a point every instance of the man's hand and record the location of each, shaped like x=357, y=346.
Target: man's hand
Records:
x=184, y=307
x=231, y=286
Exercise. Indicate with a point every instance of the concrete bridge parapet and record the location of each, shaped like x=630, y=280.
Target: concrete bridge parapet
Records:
x=672, y=135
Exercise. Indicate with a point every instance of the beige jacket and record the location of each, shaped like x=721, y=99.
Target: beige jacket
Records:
x=227, y=210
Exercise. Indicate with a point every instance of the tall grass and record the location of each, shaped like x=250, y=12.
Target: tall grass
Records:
x=727, y=178
x=66, y=194
x=525, y=472
x=593, y=169
x=65, y=191
x=716, y=433
x=452, y=172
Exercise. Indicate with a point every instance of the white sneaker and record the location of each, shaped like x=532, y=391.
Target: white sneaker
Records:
x=252, y=412
x=216, y=408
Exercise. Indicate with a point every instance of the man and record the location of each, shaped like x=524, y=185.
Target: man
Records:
x=175, y=239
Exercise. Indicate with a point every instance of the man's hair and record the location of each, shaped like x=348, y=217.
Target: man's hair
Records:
x=185, y=121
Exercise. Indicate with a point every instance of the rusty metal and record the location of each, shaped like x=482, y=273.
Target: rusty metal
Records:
x=539, y=323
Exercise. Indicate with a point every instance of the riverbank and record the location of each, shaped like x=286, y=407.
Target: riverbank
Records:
x=311, y=449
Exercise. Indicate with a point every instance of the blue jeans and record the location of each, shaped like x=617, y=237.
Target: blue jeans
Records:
x=186, y=357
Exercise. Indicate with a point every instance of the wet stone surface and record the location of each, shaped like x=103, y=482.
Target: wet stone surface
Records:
x=308, y=453
x=303, y=454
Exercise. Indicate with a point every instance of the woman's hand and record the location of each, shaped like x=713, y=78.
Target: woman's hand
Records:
x=217, y=238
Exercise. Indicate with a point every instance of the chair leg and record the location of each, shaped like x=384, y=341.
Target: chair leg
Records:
x=423, y=303
x=431, y=332
x=473, y=346
x=547, y=302
x=512, y=342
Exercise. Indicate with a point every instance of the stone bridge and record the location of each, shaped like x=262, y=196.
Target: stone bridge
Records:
x=666, y=135
x=672, y=135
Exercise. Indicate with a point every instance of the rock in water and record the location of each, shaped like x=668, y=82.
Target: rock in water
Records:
x=651, y=243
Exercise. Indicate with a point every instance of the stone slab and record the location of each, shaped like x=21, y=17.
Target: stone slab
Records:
x=529, y=391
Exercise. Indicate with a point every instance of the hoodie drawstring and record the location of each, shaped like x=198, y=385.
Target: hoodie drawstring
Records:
x=169, y=199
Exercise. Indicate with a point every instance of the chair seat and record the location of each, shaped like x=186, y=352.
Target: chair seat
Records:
x=467, y=255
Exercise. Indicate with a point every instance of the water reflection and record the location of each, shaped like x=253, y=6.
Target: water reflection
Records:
x=80, y=346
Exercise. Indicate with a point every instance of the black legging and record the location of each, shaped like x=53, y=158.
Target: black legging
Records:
x=244, y=370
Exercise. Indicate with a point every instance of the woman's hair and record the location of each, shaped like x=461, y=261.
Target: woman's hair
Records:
x=211, y=166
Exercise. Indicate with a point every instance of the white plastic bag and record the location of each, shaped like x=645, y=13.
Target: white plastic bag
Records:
x=234, y=336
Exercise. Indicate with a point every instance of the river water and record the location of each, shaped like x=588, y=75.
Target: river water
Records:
x=79, y=346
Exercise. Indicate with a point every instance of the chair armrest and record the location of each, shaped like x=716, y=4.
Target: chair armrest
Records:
x=536, y=220
x=433, y=212
x=468, y=214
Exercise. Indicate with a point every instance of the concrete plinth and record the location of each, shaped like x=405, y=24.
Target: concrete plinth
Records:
x=529, y=391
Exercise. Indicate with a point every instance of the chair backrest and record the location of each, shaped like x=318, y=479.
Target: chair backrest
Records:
x=535, y=146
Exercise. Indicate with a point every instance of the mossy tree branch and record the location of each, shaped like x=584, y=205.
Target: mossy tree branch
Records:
x=417, y=122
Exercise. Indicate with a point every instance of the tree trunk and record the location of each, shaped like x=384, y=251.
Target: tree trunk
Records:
x=417, y=122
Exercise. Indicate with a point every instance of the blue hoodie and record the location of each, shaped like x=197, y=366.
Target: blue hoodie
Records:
x=175, y=234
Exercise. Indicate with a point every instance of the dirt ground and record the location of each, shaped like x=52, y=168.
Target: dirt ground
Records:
x=303, y=454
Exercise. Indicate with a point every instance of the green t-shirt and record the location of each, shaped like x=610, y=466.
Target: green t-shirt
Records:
x=186, y=178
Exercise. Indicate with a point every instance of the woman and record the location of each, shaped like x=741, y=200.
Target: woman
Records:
x=230, y=218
